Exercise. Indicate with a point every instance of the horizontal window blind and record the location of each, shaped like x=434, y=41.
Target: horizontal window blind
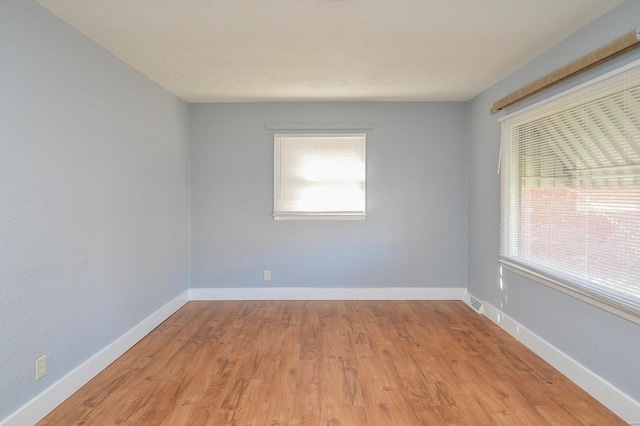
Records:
x=319, y=175
x=570, y=190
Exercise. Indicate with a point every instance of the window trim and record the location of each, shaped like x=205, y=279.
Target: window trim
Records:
x=320, y=215
x=545, y=278
x=570, y=290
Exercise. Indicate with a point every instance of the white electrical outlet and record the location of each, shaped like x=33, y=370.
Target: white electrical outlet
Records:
x=266, y=275
x=41, y=367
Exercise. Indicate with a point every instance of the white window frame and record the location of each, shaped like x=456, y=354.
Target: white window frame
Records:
x=566, y=286
x=279, y=214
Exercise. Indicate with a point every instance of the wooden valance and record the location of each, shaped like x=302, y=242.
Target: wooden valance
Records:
x=610, y=50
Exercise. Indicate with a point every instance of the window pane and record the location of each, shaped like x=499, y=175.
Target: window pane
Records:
x=570, y=206
x=319, y=174
x=587, y=226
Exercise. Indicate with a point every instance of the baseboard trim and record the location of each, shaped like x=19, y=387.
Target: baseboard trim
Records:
x=308, y=293
x=36, y=409
x=610, y=396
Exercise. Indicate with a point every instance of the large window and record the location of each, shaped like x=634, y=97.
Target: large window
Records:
x=319, y=176
x=570, y=196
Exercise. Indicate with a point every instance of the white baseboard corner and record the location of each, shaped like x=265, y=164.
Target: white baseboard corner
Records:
x=41, y=405
x=611, y=397
x=315, y=293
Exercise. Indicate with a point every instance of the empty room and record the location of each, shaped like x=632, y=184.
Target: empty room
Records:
x=320, y=212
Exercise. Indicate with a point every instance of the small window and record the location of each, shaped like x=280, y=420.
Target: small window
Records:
x=319, y=176
x=570, y=197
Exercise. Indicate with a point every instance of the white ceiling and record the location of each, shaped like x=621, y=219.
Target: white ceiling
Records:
x=327, y=50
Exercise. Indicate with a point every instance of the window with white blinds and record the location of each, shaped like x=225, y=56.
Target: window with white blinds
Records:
x=570, y=191
x=319, y=176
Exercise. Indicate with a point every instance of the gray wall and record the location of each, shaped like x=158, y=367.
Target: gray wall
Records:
x=94, y=218
x=94, y=199
x=415, y=232
x=602, y=342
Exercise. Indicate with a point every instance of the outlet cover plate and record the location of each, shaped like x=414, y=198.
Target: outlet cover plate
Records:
x=41, y=367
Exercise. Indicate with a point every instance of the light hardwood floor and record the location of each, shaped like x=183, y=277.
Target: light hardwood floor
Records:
x=330, y=363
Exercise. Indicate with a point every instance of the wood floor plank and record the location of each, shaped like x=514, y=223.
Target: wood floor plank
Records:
x=329, y=363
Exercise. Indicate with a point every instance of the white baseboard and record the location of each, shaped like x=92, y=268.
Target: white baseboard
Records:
x=308, y=293
x=36, y=409
x=44, y=403
x=611, y=397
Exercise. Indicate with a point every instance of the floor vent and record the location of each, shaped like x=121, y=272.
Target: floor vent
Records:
x=476, y=304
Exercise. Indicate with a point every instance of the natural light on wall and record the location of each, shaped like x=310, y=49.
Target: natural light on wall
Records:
x=319, y=176
x=570, y=197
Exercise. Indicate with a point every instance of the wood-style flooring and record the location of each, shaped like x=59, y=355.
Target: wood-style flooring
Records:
x=330, y=363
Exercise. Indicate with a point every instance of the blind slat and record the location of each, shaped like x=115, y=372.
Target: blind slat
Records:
x=570, y=189
x=319, y=174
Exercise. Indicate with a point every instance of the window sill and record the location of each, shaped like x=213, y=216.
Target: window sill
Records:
x=599, y=302
x=315, y=216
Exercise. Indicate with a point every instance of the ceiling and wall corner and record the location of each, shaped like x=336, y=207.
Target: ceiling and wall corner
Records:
x=325, y=50
x=94, y=212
